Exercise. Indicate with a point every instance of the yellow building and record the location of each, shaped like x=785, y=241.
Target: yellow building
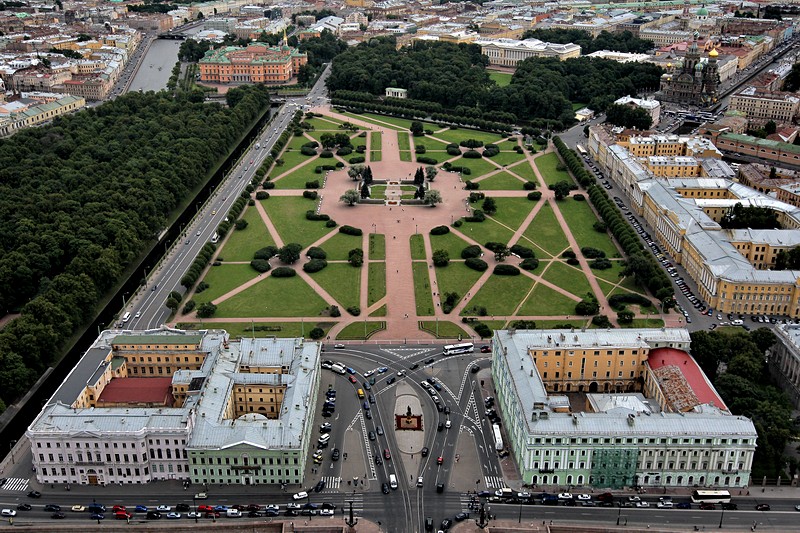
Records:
x=257, y=63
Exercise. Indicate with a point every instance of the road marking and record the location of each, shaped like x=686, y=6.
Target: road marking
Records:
x=331, y=482
x=495, y=482
x=399, y=352
x=16, y=484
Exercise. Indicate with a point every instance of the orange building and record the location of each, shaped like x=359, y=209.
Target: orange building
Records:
x=257, y=63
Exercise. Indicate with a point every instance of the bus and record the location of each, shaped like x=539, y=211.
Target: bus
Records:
x=455, y=349
x=711, y=496
x=581, y=150
x=498, y=438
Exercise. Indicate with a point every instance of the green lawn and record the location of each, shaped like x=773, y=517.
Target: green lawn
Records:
x=402, y=140
x=479, y=167
x=377, y=246
x=222, y=279
x=550, y=324
x=379, y=191
x=605, y=286
x=376, y=281
x=422, y=290
x=458, y=135
x=417, y=247
x=430, y=144
x=525, y=170
x=648, y=323
x=611, y=274
x=500, y=78
x=580, y=217
x=443, y=329
x=277, y=297
x=387, y=121
x=544, y=301
x=375, y=146
x=381, y=311
x=338, y=246
x=506, y=158
x=456, y=277
x=512, y=211
x=298, y=178
x=500, y=295
x=488, y=230
x=292, y=156
x=361, y=330
x=547, y=165
x=258, y=329
x=324, y=123
x=568, y=278
x=450, y=242
x=342, y=281
x=242, y=244
x=545, y=232
x=405, y=156
x=288, y=215
x=502, y=181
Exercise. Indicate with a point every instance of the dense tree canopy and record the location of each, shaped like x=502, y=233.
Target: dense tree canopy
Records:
x=81, y=198
x=618, y=42
x=746, y=389
x=542, y=88
x=750, y=217
x=629, y=117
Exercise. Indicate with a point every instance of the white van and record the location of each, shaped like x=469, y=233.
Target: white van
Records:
x=393, y=481
x=737, y=322
x=233, y=513
x=126, y=317
x=338, y=368
x=324, y=438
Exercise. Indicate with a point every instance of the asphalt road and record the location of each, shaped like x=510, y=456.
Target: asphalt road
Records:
x=149, y=304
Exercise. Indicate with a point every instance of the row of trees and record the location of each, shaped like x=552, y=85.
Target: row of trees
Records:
x=80, y=199
x=640, y=265
x=542, y=88
x=628, y=117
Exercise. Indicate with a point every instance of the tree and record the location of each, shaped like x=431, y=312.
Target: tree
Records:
x=432, y=197
x=770, y=127
x=316, y=333
x=365, y=190
x=417, y=130
x=441, y=258
x=355, y=172
x=367, y=176
x=419, y=194
x=356, y=257
x=206, y=310
x=561, y=189
x=773, y=173
x=489, y=206
x=763, y=339
x=501, y=252
x=173, y=304
x=350, y=197
x=625, y=316
x=327, y=140
x=419, y=176
x=431, y=172
x=290, y=253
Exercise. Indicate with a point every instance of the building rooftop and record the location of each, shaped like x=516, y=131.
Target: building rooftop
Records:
x=682, y=380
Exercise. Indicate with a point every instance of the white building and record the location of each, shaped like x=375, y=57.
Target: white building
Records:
x=170, y=404
x=509, y=52
x=672, y=429
x=653, y=107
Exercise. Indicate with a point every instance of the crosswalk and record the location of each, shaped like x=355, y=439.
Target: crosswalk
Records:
x=331, y=483
x=495, y=482
x=17, y=484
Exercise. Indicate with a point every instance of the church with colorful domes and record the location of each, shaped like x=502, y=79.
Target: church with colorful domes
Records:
x=691, y=81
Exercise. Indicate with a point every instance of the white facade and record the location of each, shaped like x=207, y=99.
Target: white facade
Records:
x=653, y=107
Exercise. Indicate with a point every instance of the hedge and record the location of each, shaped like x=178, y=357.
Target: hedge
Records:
x=471, y=251
x=427, y=160
x=315, y=265
x=350, y=230
x=476, y=263
x=283, y=272
x=530, y=263
x=440, y=230
x=505, y=270
x=522, y=251
x=260, y=265
x=315, y=252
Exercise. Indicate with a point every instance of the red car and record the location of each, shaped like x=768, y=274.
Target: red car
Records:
x=439, y=460
x=122, y=515
x=204, y=508
x=119, y=508
x=387, y=455
x=486, y=349
x=352, y=379
x=212, y=514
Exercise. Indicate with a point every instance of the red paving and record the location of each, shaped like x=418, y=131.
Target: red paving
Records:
x=398, y=224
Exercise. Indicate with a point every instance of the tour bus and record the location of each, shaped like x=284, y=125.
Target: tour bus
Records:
x=126, y=317
x=711, y=496
x=581, y=149
x=455, y=349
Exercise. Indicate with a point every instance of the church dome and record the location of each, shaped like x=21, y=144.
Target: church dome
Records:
x=702, y=12
x=713, y=53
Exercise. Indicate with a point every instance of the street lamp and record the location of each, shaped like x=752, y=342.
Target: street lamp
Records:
x=11, y=449
x=123, y=299
x=721, y=516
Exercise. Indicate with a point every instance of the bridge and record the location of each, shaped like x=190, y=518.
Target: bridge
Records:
x=172, y=36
